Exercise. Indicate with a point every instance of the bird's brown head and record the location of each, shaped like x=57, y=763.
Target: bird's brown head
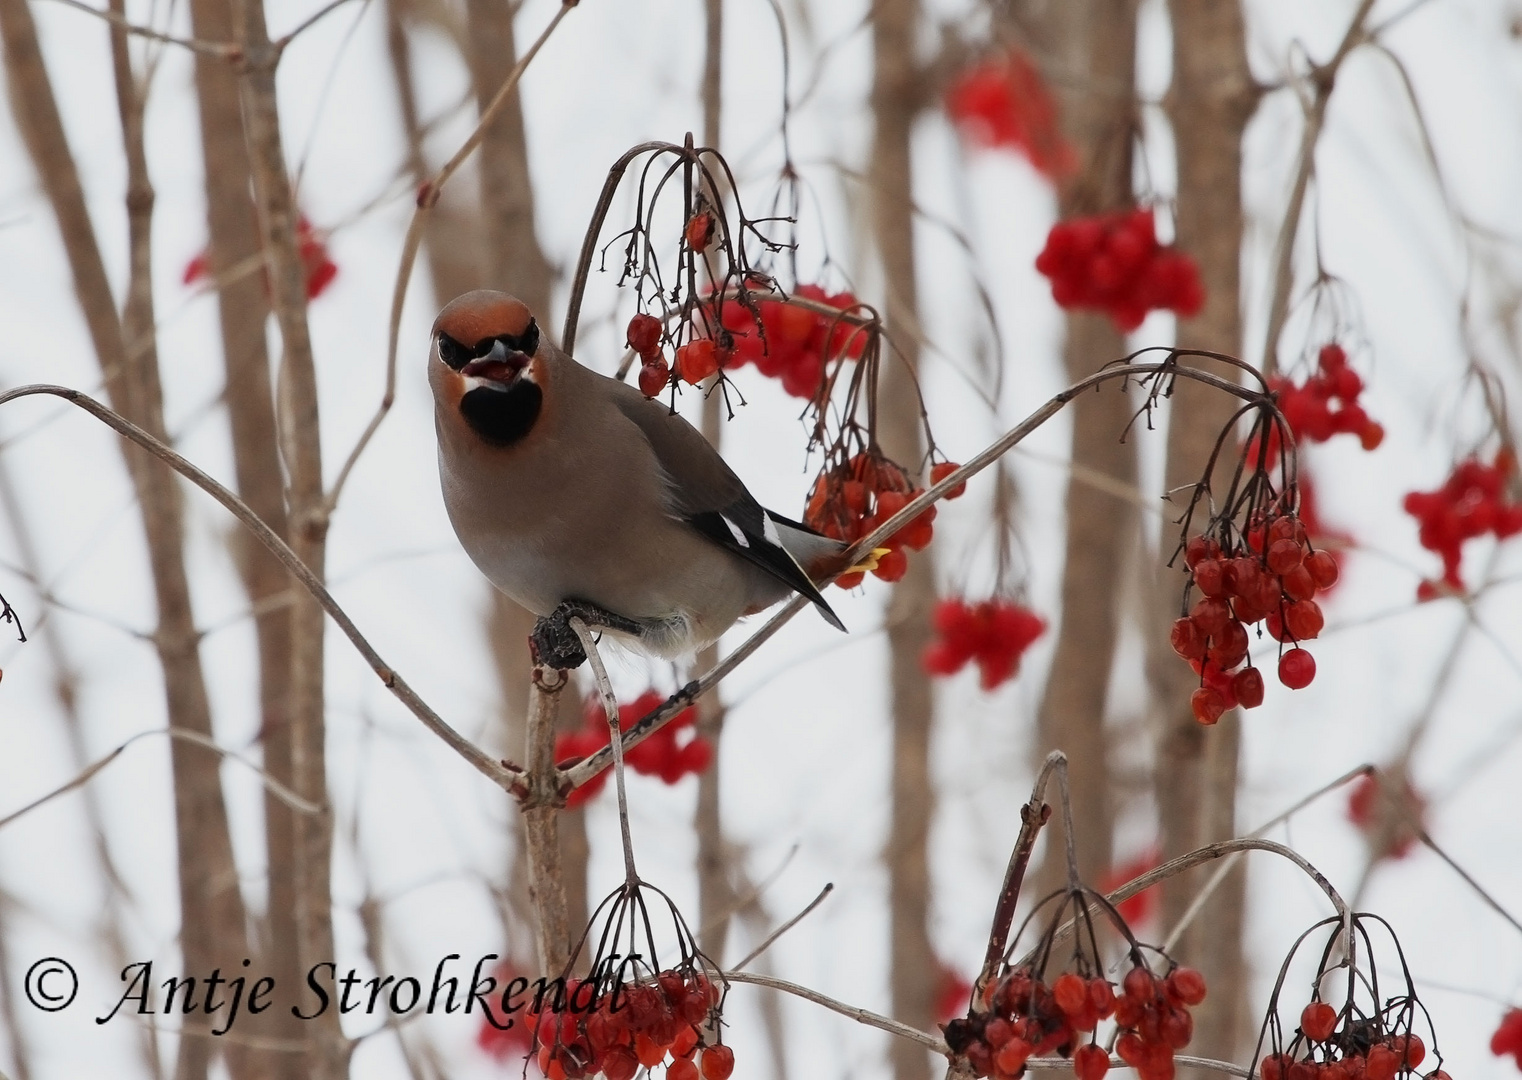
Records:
x=485, y=366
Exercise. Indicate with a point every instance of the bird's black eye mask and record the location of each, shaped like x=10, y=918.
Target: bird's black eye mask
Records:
x=457, y=355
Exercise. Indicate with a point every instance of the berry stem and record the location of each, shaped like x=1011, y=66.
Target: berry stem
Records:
x=615, y=740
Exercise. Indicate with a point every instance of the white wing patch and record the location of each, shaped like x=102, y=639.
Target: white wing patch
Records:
x=769, y=529
x=739, y=534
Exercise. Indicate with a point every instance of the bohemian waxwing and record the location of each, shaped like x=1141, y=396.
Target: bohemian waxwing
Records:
x=577, y=495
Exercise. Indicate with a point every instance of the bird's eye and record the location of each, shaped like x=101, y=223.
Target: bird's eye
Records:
x=528, y=341
x=452, y=352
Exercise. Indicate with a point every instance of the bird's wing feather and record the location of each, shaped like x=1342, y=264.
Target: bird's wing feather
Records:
x=706, y=493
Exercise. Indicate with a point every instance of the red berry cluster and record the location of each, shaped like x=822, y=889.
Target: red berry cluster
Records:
x=1113, y=263
x=797, y=342
x=659, y=755
x=1025, y=1018
x=1384, y=1059
x=636, y=1025
x=1326, y=404
x=1508, y=1037
x=1272, y=579
x=1473, y=501
x=1365, y=806
x=311, y=247
x=1002, y=103
x=850, y=501
x=1153, y=1017
x=994, y=633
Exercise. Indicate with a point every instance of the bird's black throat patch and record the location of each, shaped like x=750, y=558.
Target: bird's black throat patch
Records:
x=502, y=417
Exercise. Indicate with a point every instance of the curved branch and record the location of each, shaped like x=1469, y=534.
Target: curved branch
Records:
x=1209, y=853
x=506, y=777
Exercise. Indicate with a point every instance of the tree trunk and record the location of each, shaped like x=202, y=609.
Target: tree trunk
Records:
x=327, y=1051
x=242, y=307
x=1210, y=102
x=212, y=918
x=895, y=103
x=1093, y=44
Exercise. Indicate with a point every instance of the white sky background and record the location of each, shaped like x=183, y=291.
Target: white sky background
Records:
x=806, y=748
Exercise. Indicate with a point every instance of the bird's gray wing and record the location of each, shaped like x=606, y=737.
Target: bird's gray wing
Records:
x=706, y=493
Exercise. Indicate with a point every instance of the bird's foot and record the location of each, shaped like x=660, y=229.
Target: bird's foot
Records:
x=554, y=643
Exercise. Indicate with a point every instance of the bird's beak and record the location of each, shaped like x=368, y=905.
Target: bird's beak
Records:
x=498, y=369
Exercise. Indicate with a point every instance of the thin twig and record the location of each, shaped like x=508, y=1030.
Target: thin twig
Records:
x=1324, y=78
x=785, y=927
x=276, y=788
x=1186, y=1060
x=610, y=709
x=505, y=776
x=427, y=196
x=225, y=50
x=861, y=1016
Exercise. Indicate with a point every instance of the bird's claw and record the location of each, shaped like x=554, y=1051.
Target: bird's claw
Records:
x=554, y=643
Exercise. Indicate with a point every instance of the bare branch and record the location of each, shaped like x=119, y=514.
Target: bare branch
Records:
x=861, y=1016
x=276, y=788
x=771, y=938
x=505, y=776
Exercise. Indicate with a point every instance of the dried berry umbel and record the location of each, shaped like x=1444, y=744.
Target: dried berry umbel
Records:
x=1357, y=1034
x=1027, y=1012
x=628, y=1015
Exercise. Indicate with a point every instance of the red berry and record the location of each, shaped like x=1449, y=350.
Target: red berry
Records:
x=944, y=469
x=718, y=1063
x=1371, y=435
x=697, y=360
x=619, y=1064
x=1210, y=615
x=1139, y=986
x=653, y=379
x=1208, y=705
x=1090, y=1062
x=1318, y=1020
x=1070, y=993
x=1012, y=1056
x=1323, y=569
x=699, y=231
x=1248, y=686
x=1187, y=640
x=1186, y=985
x=891, y=567
x=1296, y=669
x=644, y=333
x=1411, y=1049
x=1381, y=1063
x=1284, y=555
x=681, y=1069
x=1303, y=619
x=1210, y=577
x=1102, y=996
x=1298, y=584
